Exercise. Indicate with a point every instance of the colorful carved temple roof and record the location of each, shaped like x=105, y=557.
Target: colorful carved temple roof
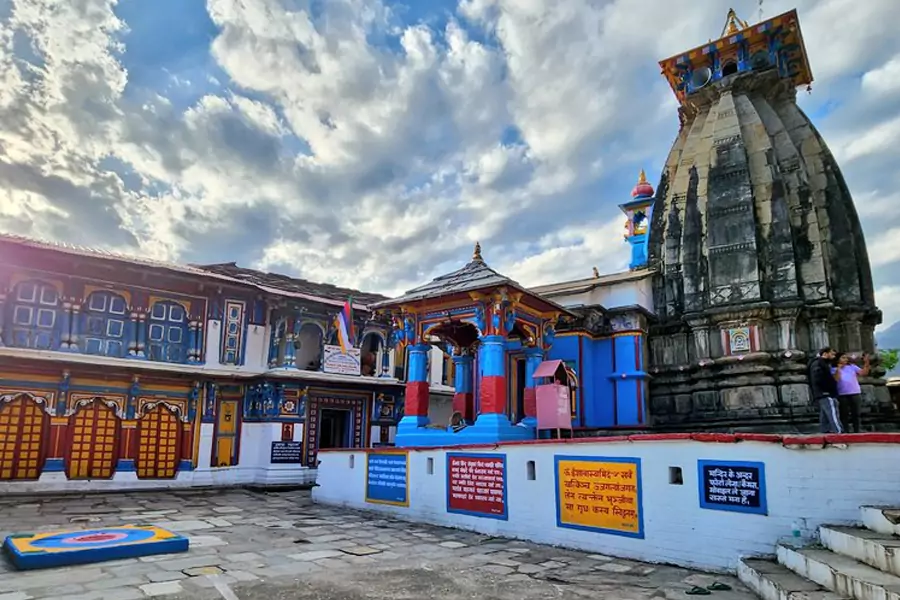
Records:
x=782, y=30
x=475, y=276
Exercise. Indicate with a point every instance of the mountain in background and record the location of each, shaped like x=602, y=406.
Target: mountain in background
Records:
x=889, y=339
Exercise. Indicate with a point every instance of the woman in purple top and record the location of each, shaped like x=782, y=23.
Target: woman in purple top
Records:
x=847, y=376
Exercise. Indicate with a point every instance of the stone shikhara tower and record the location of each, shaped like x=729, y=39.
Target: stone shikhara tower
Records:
x=759, y=255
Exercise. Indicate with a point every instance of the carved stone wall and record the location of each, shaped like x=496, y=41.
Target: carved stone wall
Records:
x=760, y=261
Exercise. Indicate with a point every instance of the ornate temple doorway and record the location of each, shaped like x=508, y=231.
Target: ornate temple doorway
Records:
x=334, y=429
x=336, y=420
x=159, y=444
x=22, y=426
x=93, y=442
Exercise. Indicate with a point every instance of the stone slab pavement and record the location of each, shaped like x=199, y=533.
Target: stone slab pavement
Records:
x=249, y=545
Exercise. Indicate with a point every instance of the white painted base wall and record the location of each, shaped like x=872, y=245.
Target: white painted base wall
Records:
x=810, y=485
x=254, y=468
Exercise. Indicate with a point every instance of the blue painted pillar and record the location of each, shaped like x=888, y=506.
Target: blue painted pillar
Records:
x=131, y=336
x=416, y=412
x=198, y=347
x=492, y=356
x=290, y=353
x=192, y=341
x=463, y=399
x=65, y=327
x=75, y=326
x=273, y=345
x=386, y=362
x=141, y=335
x=533, y=358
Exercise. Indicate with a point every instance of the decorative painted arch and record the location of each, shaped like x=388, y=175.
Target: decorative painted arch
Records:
x=177, y=409
x=80, y=403
x=315, y=323
x=45, y=402
x=376, y=332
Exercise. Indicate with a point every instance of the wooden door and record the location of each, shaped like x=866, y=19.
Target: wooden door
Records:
x=93, y=442
x=159, y=444
x=226, y=434
x=22, y=427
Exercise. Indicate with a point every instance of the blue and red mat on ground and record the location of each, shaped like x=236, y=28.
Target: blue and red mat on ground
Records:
x=59, y=548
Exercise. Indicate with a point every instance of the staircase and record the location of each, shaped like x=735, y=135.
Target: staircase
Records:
x=848, y=563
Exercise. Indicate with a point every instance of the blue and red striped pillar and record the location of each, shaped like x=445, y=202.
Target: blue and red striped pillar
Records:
x=533, y=358
x=491, y=357
x=463, y=402
x=416, y=412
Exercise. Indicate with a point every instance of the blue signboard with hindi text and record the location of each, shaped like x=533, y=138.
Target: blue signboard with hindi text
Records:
x=387, y=478
x=733, y=486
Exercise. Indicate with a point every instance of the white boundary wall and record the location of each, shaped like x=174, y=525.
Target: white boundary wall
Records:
x=809, y=484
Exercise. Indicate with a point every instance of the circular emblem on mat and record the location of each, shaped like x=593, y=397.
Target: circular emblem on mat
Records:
x=95, y=538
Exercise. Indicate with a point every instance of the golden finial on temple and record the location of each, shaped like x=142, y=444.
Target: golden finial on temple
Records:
x=733, y=24
x=596, y=271
x=477, y=254
x=642, y=178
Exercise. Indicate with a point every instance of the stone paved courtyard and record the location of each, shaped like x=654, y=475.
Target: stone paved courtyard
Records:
x=278, y=546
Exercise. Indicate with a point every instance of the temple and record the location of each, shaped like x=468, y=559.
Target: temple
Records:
x=757, y=253
x=748, y=256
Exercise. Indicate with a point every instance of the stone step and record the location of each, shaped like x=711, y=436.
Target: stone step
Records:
x=870, y=547
x=840, y=574
x=772, y=581
x=881, y=519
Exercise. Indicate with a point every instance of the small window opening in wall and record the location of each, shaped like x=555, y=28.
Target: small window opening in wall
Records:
x=530, y=467
x=430, y=466
x=729, y=69
x=675, y=477
x=352, y=460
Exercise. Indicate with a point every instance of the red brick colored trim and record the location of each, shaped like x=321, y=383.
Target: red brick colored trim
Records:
x=711, y=438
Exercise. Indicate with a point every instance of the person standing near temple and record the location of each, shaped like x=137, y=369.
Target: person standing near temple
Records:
x=849, y=393
x=824, y=391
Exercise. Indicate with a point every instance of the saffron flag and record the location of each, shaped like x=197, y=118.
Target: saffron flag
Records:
x=343, y=322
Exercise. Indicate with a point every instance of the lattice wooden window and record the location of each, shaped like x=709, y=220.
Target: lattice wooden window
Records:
x=159, y=437
x=234, y=332
x=105, y=317
x=93, y=442
x=22, y=426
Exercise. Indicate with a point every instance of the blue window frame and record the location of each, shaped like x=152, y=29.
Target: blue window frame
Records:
x=167, y=332
x=103, y=325
x=32, y=316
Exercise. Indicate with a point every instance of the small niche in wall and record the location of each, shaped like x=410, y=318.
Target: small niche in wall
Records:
x=675, y=476
x=352, y=460
x=529, y=467
x=429, y=465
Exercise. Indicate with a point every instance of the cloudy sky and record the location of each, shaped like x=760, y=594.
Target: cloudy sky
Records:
x=370, y=142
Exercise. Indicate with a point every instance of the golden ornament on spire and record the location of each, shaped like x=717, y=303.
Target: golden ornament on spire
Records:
x=733, y=24
x=476, y=255
x=642, y=178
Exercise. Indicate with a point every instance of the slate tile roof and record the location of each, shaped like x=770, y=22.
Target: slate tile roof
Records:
x=291, y=284
x=226, y=272
x=474, y=276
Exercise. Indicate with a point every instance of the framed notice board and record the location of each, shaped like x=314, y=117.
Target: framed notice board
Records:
x=732, y=486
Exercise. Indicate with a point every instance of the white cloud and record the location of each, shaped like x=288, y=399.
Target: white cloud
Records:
x=347, y=146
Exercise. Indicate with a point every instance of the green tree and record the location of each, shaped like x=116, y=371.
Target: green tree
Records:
x=889, y=358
